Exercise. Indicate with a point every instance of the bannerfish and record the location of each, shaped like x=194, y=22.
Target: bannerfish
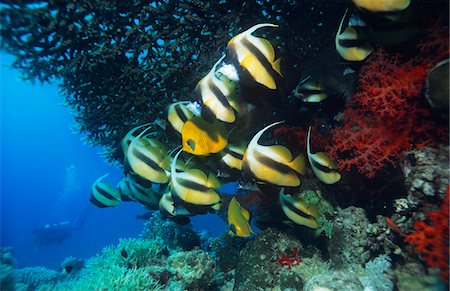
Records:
x=382, y=5
x=218, y=96
x=232, y=156
x=126, y=194
x=437, y=87
x=351, y=43
x=177, y=115
x=147, y=160
x=143, y=192
x=256, y=55
x=272, y=164
x=202, y=138
x=310, y=91
x=135, y=131
x=168, y=209
x=193, y=186
x=323, y=167
x=298, y=210
x=103, y=194
x=238, y=219
x=394, y=28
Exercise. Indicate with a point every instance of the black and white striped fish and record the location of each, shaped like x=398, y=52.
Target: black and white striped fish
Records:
x=272, y=164
x=103, y=194
x=323, y=167
x=256, y=55
x=194, y=187
x=351, y=43
x=177, y=115
x=148, y=159
x=218, y=96
x=298, y=210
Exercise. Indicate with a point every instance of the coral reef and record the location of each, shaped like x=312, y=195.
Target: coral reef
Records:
x=225, y=250
x=72, y=265
x=261, y=255
x=386, y=116
x=432, y=240
x=7, y=267
x=175, y=236
x=336, y=280
x=194, y=268
x=426, y=173
x=376, y=277
x=31, y=278
x=351, y=242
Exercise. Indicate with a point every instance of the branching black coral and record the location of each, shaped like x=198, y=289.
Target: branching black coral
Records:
x=119, y=63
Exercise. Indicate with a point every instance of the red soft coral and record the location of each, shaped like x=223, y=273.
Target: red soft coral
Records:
x=363, y=142
x=289, y=261
x=432, y=240
x=388, y=85
x=386, y=115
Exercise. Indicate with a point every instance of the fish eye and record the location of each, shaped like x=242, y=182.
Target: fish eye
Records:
x=191, y=144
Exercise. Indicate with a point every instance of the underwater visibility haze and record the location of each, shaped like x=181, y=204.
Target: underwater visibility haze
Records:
x=224, y=145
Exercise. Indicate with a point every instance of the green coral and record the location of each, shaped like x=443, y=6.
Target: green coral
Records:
x=325, y=210
x=134, y=253
x=99, y=276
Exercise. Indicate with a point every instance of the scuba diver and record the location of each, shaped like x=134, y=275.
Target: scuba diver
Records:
x=56, y=233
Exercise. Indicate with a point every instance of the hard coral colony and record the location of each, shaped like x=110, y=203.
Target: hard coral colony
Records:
x=296, y=166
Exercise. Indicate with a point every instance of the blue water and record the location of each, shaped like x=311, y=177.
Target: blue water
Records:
x=46, y=175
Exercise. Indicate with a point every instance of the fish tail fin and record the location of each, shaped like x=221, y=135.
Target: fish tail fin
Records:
x=298, y=164
x=277, y=67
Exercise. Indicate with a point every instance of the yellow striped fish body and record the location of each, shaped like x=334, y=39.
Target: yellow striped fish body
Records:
x=238, y=220
x=177, y=114
x=147, y=160
x=126, y=194
x=218, y=96
x=323, y=167
x=103, y=194
x=310, y=91
x=299, y=211
x=256, y=55
x=193, y=187
x=382, y=5
x=143, y=192
x=351, y=43
x=272, y=164
x=202, y=138
x=169, y=209
x=232, y=156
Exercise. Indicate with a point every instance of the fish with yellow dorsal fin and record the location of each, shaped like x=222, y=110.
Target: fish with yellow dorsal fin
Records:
x=146, y=159
x=272, y=164
x=323, y=167
x=202, y=138
x=298, y=210
x=256, y=55
x=218, y=96
x=193, y=186
x=238, y=220
x=351, y=43
x=103, y=194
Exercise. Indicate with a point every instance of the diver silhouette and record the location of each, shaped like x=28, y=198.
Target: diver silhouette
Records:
x=56, y=233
